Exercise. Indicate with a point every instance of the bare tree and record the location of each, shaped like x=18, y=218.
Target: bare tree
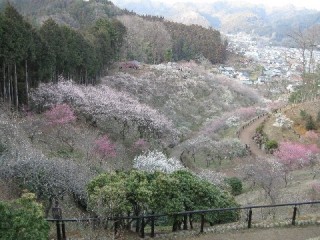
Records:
x=299, y=37
x=307, y=41
x=267, y=174
x=146, y=41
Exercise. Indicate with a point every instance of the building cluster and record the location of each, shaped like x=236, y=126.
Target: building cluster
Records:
x=276, y=62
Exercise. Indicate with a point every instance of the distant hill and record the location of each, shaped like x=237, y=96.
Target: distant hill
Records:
x=74, y=13
x=230, y=17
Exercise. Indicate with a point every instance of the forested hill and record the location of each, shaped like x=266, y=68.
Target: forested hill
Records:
x=73, y=13
x=42, y=40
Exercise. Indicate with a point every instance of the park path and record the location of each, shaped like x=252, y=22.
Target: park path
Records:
x=286, y=233
x=248, y=132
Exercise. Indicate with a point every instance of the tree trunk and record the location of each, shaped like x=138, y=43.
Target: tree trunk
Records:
x=9, y=86
x=4, y=82
x=27, y=83
x=86, y=77
x=311, y=59
x=16, y=99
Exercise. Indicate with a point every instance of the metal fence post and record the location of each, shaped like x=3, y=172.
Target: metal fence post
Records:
x=63, y=228
x=57, y=215
x=202, y=223
x=152, y=226
x=115, y=223
x=250, y=218
x=142, y=228
x=58, y=230
x=294, y=215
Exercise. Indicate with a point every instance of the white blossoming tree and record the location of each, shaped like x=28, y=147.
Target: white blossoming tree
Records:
x=108, y=109
x=156, y=161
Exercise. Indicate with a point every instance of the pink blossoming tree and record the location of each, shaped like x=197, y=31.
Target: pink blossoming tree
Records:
x=292, y=155
x=104, y=148
x=58, y=117
x=60, y=114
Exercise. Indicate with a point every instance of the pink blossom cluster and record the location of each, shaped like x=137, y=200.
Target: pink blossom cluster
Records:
x=60, y=114
x=103, y=104
x=295, y=154
x=141, y=145
x=104, y=147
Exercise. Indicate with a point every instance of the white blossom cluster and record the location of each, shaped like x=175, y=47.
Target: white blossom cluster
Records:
x=233, y=121
x=282, y=121
x=216, y=178
x=23, y=164
x=103, y=103
x=156, y=161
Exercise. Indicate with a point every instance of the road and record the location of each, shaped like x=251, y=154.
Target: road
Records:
x=246, y=137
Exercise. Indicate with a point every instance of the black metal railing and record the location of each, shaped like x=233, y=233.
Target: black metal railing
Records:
x=150, y=219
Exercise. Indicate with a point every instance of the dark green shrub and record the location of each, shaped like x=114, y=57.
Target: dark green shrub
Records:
x=235, y=184
x=2, y=148
x=310, y=124
x=271, y=145
x=260, y=129
x=23, y=219
x=303, y=114
x=318, y=117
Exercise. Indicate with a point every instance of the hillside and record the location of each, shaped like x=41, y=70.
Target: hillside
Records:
x=231, y=17
x=76, y=14
x=130, y=115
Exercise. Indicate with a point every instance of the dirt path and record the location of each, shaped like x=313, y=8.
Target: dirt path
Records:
x=286, y=233
x=246, y=137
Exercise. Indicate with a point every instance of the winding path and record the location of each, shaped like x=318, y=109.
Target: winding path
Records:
x=246, y=137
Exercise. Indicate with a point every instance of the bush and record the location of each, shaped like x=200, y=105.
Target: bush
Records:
x=271, y=145
x=303, y=114
x=2, y=148
x=310, y=124
x=260, y=129
x=23, y=219
x=235, y=184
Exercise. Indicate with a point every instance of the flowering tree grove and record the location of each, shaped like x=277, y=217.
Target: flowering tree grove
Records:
x=104, y=106
x=104, y=148
x=292, y=155
x=156, y=161
x=295, y=154
x=57, y=119
x=267, y=174
x=59, y=115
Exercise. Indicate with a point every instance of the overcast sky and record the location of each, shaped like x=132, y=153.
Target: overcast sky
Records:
x=311, y=4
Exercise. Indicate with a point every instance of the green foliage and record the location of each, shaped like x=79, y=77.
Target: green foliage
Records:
x=259, y=129
x=2, y=148
x=192, y=41
x=303, y=114
x=235, y=184
x=108, y=39
x=168, y=55
x=53, y=50
x=318, y=117
x=310, y=124
x=23, y=219
x=296, y=97
x=271, y=145
x=137, y=191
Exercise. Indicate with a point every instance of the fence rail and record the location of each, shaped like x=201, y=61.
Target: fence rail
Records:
x=150, y=219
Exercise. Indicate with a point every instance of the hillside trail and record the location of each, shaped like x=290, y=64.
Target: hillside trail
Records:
x=286, y=233
x=246, y=137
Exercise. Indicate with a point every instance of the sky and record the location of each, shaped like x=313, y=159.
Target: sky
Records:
x=311, y=4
